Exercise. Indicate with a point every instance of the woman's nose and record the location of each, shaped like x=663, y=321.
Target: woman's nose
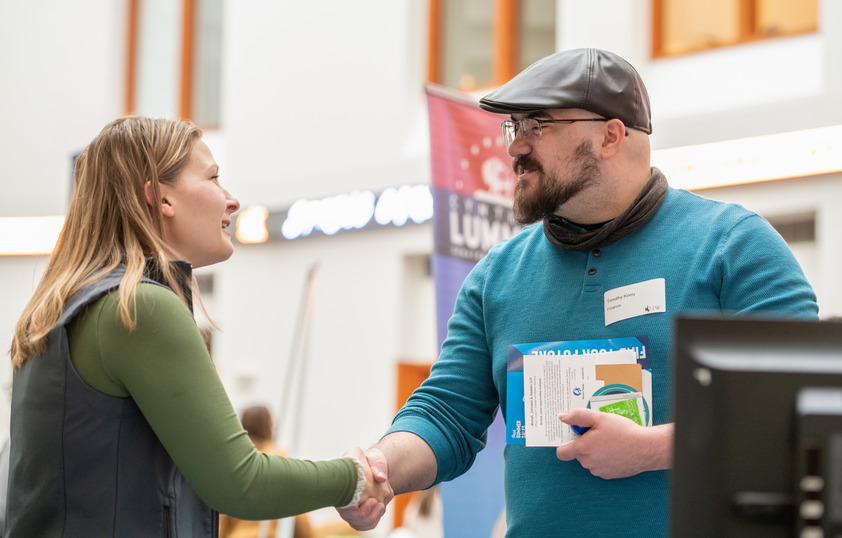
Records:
x=233, y=203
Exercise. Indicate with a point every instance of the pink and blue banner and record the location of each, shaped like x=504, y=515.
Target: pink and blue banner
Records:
x=472, y=186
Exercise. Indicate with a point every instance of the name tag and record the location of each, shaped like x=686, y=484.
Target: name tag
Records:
x=634, y=300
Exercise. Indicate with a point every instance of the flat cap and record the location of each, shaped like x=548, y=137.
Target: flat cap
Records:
x=591, y=79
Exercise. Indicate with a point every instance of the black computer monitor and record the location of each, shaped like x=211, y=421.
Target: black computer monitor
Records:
x=758, y=428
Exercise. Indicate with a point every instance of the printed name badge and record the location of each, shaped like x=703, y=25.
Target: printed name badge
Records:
x=634, y=300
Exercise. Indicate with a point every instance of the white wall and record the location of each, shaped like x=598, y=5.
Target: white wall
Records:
x=320, y=98
x=61, y=80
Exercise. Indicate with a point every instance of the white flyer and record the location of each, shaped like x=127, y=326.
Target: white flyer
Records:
x=555, y=384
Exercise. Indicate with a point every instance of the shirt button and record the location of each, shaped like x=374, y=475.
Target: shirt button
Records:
x=597, y=253
x=591, y=271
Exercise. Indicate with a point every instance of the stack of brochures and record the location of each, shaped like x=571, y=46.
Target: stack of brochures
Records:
x=549, y=378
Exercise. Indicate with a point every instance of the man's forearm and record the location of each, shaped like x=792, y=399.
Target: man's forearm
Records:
x=412, y=463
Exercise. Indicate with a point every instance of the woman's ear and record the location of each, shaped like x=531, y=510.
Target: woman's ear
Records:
x=166, y=207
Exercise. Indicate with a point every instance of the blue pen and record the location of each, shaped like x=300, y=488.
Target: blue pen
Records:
x=579, y=430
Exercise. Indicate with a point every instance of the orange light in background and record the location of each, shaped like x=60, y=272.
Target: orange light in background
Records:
x=251, y=225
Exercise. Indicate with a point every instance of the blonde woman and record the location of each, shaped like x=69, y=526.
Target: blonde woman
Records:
x=120, y=425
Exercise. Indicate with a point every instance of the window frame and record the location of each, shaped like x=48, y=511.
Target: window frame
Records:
x=505, y=36
x=748, y=33
x=188, y=30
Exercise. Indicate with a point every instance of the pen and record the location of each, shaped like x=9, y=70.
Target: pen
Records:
x=579, y=430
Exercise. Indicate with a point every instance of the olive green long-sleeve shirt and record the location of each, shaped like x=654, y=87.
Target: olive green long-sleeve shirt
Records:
x=163, y=365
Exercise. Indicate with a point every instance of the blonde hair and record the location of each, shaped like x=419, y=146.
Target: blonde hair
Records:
x=109, y=222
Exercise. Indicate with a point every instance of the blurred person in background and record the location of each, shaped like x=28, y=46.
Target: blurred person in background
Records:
x=257, y=421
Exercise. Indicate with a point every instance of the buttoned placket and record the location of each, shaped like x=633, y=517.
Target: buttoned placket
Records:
x=592, y=281
x=595, y=253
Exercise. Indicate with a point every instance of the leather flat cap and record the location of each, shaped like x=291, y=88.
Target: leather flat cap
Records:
x=591, y=79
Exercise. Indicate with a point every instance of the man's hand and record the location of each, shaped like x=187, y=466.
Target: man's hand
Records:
x=616, y=447
x=376, y=495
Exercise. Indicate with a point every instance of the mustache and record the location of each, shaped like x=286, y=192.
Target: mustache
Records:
x=525, y=162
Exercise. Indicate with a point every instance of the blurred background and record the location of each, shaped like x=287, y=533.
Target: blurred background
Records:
x=314, y=109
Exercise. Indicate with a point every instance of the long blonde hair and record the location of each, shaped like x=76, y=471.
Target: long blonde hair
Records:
x=109, y=222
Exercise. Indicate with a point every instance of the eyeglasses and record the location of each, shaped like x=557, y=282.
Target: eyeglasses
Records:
x=531, y=128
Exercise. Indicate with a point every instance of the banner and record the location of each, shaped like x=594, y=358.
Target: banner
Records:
x=472, y=186
x=472, y=178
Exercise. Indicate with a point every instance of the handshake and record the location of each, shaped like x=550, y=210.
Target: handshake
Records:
x=376, y=494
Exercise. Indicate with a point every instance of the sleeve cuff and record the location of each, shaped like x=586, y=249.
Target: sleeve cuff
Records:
x=355, y=500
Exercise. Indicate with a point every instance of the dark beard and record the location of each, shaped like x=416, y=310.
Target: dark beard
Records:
x=551, y=193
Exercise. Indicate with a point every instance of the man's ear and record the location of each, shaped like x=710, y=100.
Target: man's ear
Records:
x=614, y=136
x=152, y=200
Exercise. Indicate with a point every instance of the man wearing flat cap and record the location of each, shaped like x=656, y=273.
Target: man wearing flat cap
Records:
x=601, y=224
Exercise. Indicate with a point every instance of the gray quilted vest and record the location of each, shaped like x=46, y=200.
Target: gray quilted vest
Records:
x=85, y=464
